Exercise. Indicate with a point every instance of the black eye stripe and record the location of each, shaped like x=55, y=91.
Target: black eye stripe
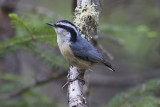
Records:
x=71, y=30
x=67, y=22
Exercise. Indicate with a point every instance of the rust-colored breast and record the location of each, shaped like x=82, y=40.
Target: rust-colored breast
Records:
x=69, y=56
x=66, y=51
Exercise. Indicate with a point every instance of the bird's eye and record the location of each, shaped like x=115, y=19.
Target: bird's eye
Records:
x=55, y=25
x=58, y=26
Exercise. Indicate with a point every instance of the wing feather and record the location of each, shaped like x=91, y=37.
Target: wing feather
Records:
x=84, y=50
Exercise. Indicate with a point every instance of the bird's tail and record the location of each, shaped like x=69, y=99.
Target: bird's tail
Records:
x=109, y=66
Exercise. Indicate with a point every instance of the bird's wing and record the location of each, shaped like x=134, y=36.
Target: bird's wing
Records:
x=84, y=50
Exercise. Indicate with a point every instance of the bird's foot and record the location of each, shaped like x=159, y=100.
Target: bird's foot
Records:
x=78, y=77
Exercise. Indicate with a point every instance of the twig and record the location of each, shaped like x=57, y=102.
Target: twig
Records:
x=25, y=40
x=115, y=41
x=28, y=30
x=104, y=51
x=32, y=85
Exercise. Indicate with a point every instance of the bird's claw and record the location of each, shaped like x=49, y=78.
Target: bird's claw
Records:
x=76, y=78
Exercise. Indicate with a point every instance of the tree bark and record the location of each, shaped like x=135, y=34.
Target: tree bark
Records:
x=75, y=88
x=10, y=62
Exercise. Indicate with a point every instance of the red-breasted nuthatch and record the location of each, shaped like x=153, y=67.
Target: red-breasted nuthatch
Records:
x=75, y=49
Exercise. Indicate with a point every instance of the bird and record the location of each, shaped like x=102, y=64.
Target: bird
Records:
x=75, y=49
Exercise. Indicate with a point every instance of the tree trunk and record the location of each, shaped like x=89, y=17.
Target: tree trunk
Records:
x=75, y=88
x=10, y=63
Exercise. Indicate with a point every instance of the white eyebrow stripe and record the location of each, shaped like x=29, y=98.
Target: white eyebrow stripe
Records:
x=69, y=25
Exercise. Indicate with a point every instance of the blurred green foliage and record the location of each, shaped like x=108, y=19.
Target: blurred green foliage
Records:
x=28, y=99
x=138, y=41
x=31, y=36
x=146, y=95
x=136, y=23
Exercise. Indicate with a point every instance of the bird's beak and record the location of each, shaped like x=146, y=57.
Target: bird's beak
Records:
x=51, y=24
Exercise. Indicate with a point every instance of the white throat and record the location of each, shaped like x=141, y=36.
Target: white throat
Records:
x=63, y=36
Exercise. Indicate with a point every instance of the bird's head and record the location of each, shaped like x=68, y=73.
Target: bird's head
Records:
x=65, y=30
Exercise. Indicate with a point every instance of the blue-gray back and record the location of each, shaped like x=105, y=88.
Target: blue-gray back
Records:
x=86, y=51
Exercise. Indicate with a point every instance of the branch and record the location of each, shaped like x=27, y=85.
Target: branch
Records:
x=22, y=39
x=32, y=85
x=104, y=51
x=114, y=40
x=75, y=93
x=75, y=88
